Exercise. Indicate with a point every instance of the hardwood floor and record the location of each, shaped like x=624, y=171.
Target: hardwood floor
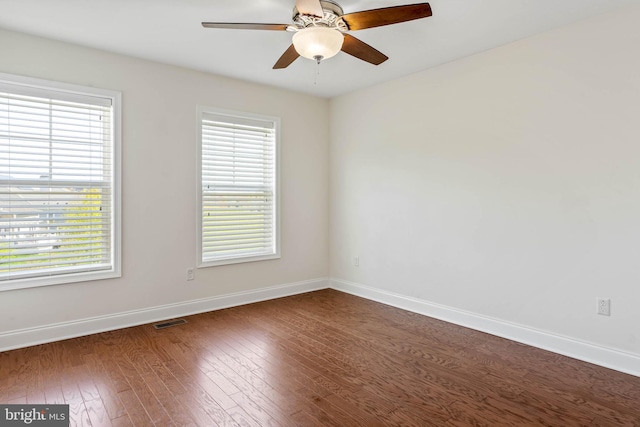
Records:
x=319, y=359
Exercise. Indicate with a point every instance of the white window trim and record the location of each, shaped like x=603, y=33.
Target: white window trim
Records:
x=237, y=259
x=116, y=99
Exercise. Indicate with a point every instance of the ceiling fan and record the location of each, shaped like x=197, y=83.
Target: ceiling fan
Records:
x=320, y=29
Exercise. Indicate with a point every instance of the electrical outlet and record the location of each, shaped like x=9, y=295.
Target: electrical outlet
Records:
x=191, y=274
x=356, y=261
x=604, y=307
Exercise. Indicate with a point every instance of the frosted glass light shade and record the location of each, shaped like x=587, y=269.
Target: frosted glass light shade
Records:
x=314, y=42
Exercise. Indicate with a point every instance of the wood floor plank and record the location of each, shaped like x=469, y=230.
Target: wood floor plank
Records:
x=210, y=384
x=551, y=410
x=257, y=397
x=605, y=422
x=14, y=371
x=135, y=409
x=86, y=384
x=206, y=381
x=303, y=418
x=339, y=410
x=285, y=362
x=154, y=409
x=70, y=389
x=322, y=358
x=97, y=413
x=594, y=404
x=314, y=361
x=113, y=405
x=322, y=411
x=78, y=415
x=618, y=391
x=254, y=409
x=53, y=395
x=123, y=421
x=107, y=390
x=197, y=400
x=18, y=401
x=245, y=379
x=177, y=414
x=403, y=417
x=241, y=417
x=115, y=376
x=35, y=381
x=175, y=377
x=4, y=381
x=293, y=392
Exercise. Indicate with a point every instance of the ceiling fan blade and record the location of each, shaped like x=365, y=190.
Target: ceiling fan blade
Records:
x=310, y=7
x=361, y=50
x=386, y=16
x=245, y=26
x=287, y=58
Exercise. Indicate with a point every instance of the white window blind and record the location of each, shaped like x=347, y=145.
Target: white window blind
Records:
x=238, y=197
x=56, y=184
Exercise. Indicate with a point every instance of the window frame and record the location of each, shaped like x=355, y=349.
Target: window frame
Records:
x=201, y=111
x=45, y=88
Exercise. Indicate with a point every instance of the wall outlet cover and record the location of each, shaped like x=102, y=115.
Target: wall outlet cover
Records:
x=604, y=307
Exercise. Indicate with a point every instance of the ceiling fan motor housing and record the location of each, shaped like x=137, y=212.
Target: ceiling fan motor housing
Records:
x=332, y=17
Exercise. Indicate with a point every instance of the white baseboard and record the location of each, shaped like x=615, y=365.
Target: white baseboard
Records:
x=602, y=356
x=61, y=331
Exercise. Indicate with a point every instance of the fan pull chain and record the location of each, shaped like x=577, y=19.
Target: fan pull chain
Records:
x=317, y=73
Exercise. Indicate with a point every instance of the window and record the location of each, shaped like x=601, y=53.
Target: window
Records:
x=59, y=183
x=238, y=197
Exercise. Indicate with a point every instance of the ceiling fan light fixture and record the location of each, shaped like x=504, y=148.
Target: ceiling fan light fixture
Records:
x=318, y=42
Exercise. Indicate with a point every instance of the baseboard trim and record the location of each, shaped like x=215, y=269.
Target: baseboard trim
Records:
x=587, y=352
x=602, y=356
x=65, y=330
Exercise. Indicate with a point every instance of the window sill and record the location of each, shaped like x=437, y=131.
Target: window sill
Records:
x=228, y=261
x=35, y=282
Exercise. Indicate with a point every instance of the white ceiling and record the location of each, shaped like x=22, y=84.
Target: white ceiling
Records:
x=169, y=31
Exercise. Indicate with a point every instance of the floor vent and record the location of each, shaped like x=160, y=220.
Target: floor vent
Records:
x=169, y=324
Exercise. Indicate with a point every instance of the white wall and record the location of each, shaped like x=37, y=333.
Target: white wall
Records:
x=505, y=185
x=159, y=184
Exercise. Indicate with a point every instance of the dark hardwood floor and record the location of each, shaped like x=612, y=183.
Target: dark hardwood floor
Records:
x=319, y=359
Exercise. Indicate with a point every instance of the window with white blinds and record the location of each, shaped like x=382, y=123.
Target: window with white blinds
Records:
x=238, y=187
x=58, y=196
